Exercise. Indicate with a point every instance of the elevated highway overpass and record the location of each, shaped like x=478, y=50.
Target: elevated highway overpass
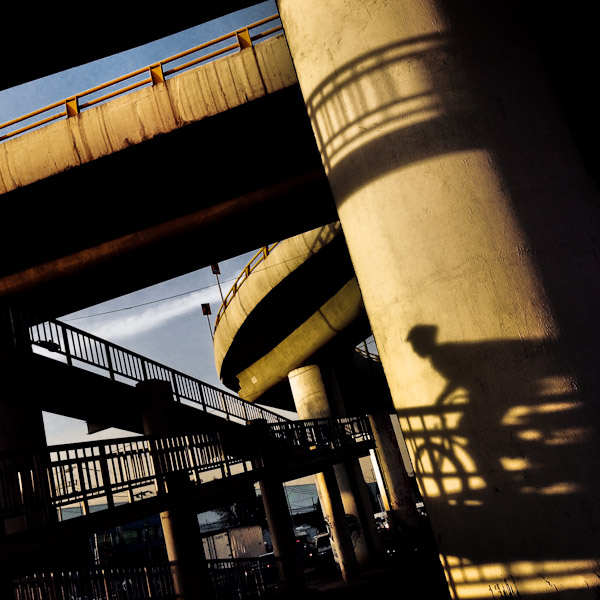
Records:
x=146, y=186
x=300, y=303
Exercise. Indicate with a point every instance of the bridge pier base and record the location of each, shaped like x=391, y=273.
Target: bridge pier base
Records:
x=22, y=429
x=191, y=577
x=397, y=495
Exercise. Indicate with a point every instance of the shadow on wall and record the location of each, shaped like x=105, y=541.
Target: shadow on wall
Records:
x=509, y=445
x=507, y=454
x=413, y=101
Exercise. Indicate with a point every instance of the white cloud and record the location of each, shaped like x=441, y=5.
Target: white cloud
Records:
x=129, y=323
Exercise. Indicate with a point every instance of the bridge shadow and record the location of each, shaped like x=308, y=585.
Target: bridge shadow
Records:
x=505, y=441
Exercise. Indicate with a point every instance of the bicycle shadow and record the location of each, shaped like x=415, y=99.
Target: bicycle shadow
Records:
x=503, y=442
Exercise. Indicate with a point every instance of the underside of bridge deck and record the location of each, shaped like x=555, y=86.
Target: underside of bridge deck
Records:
x=163, y=208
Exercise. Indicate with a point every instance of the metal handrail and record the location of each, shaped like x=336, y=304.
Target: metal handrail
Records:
x=252, y=264
x=126, y=366
x=154, y=74
x=92, y=474
x=328, y=434
x=20, y=330
x=149, y=581
x=365, y=353
x=82, y=473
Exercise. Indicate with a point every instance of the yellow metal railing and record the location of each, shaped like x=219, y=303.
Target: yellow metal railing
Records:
x=151, y=75
x=254, y=262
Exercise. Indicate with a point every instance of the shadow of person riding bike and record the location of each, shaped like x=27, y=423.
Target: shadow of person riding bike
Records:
x=503, y=441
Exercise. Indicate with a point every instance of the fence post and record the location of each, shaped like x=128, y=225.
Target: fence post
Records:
x=106, y=477
x=202, y=400
x=224, y=464
x=65, y=337
x=72, y=106
x=175, y=386
x=109, y=363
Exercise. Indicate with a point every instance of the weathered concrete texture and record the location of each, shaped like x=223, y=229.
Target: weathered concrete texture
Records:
x=292, y=348
x=141, y=115
x=289, y=255
x=473, y=232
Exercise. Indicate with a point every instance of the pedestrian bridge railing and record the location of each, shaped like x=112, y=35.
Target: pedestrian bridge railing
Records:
x=71, y=480
x=232, y=578
x=149, y=75
x=78, y=348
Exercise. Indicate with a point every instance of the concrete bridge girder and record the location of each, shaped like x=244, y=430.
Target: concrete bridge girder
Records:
x=142, y=187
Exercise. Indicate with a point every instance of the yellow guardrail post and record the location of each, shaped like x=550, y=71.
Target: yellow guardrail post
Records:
x=72, y=106
x=156, y=73
x=243, y=38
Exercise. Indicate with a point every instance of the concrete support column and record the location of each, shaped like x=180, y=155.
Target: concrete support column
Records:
x=473, y=230
x=22, y=433
x=401, y=504
x=281, y=529
x=312, y=402
x=335, y=516
x=183, y=540
x=191, y=577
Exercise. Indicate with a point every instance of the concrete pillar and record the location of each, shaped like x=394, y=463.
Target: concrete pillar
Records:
x=281, y=529
x=473, y=231
x=22, y=434
x=312, y=402
x=401, y=504
x=191, y=577
x=279, y=520
x=183, y=540
x=334, y=513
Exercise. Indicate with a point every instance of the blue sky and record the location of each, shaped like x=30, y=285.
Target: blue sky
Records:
x=163, y=322
x=22, y=99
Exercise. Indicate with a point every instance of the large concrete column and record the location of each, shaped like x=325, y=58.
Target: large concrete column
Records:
x=183, y=539
x=473, y=229
x=312, y=402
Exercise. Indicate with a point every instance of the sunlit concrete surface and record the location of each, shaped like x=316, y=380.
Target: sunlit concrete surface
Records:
x=296, y=324
x=141, y=115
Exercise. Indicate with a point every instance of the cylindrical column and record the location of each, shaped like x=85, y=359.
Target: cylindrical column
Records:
x=191, y=577
x=281, y=529
x=397, y=485
x=311, y=400
x=473, y=231
x=183, y=539
x=334, y=513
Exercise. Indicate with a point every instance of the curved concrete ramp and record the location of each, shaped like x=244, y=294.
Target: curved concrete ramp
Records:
x=300, y=299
